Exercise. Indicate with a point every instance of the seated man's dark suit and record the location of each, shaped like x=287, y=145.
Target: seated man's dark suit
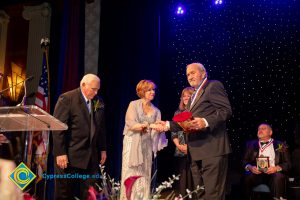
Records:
x=275, y=181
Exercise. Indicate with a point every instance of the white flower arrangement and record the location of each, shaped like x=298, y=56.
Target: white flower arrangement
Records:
x=164, y=185
x=110, y=189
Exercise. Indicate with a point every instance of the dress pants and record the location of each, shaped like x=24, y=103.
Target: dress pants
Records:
x=67, y=189
x=276, y=183
x=213, y=172
x=185, y=179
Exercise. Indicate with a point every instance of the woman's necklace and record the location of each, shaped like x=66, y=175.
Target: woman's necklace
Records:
x=148, y=110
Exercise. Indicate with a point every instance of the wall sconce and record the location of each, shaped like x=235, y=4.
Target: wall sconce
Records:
x=15, y=81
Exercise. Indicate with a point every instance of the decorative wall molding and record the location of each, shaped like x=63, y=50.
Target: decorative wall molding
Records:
x=4, y=20
x=43, y=10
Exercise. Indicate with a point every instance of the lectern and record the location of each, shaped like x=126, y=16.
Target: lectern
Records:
x=28, y=118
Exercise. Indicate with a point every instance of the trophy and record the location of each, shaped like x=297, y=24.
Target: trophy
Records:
x=262, y=163
x=182, y=119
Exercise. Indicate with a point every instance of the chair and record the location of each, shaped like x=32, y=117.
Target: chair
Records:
x=261, y=192
x=261, y=188
x=294, y=183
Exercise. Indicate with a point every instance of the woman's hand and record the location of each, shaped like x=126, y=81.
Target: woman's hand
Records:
x=159, y=126
x=139, y=127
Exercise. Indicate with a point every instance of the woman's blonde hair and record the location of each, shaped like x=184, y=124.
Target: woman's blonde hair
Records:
x=188, y=90
x=143, y=86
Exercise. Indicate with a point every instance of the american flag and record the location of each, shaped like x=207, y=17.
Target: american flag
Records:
x=41, y=139
x=42, y=96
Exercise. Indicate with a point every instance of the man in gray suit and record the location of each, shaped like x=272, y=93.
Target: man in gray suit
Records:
x=208, y=143
x=81, y=148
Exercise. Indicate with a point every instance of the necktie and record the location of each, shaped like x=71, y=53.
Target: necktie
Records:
x=263, y=143
x=92, y=123
x=88, y=105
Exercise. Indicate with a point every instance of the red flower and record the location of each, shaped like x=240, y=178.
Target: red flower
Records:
x=92, y=193
x=27, y=196
x=182, y=117
x=129, y=183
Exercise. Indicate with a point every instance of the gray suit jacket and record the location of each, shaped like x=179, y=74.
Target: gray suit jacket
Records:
x=80, y=142
x=212, y=104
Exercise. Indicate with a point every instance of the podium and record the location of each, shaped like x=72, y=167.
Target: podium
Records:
x=28, y=118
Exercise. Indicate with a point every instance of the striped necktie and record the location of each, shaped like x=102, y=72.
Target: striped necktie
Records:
x=88, y=105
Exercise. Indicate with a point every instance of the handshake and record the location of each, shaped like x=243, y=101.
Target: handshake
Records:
x=189, y=126
x=158, y=126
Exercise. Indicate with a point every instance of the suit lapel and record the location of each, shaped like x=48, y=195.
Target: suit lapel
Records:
x=255, y=150
x=275, y=146
x=85, y=113
x=83, y=106
x=200, y=93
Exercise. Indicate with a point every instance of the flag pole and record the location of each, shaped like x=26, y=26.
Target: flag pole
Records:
x=45, y=42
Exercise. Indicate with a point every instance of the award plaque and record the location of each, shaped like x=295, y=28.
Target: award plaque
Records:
x=262, y=163
x=182, y=119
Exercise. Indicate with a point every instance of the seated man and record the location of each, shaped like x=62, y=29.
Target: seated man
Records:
x=273, y=162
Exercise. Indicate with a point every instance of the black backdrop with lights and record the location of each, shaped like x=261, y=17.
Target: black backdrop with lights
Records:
x=253, y=47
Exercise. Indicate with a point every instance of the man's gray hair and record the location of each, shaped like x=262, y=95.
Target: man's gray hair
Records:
x=200, y=67
x=266, y=124
x=88, y=78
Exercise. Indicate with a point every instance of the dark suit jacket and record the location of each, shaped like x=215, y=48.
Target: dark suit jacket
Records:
x=282, y=157
x=212, y=104
x=80, y=142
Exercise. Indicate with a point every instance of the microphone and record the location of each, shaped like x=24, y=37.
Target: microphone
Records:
x=24, y=81
x=29, y=78
x=23, y=102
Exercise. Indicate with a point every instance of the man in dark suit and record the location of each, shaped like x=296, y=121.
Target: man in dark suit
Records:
x=208, y=143
x=279, y=163
x=81, y=148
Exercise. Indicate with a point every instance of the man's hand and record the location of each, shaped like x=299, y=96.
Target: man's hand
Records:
x=103, y=157
x=254, y=169
x=62, y=161
x=196, y=124
x=271, y=170
x=3, y=139
x=182, y=148
x=160, y=126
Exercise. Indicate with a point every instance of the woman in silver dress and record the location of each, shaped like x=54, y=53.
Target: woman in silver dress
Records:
x=141, y=142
